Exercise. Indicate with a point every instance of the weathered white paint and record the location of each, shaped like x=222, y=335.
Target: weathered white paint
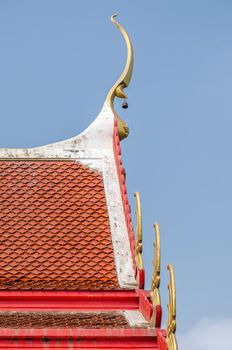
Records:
x=136, y=319
x=120, y=236
x=94, y=148
x=96, y=138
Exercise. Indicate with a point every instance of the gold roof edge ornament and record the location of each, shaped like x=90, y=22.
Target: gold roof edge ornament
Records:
x=139, y=232
x=155, y=293
x=171, y=324
x=117, y=89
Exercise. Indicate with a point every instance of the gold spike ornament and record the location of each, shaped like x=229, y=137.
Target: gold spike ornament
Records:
x=124, y=80
x=155, y=294
x=139, y=232
x=171, y=324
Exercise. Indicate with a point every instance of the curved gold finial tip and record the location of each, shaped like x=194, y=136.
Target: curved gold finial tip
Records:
x=113, y=16
x=117, y=89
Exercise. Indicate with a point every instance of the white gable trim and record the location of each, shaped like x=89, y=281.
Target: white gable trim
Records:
x=93, y=148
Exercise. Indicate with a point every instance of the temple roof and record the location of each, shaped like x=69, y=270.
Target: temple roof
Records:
x=71, y=271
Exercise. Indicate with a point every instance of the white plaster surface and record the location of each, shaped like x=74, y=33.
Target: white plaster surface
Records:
x=135, y=318
x=120, y=238
x=94, y=148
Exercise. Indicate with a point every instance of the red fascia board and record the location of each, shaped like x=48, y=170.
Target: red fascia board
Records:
x=66, y=300
x=78, y=338
x=78, y=332
x=134, y=344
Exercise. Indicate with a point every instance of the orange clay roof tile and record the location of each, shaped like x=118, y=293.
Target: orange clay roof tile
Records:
x=96, y=320
x=54, y=227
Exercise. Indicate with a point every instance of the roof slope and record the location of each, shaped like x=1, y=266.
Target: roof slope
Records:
x=54, y=227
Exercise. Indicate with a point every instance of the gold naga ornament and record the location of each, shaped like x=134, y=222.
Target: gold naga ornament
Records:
x=139, y=232
x=171, y=324
x=117, y=89
x=171, y=341
x=155, y=293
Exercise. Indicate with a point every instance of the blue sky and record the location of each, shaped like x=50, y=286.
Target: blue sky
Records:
x=59, y=58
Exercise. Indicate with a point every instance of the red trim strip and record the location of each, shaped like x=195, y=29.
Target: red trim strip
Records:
x=78, y=338
x=80, y=332
x=161, y=342
x=57, y=300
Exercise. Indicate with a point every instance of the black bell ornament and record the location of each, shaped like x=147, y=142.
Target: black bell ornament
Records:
x=124, y=104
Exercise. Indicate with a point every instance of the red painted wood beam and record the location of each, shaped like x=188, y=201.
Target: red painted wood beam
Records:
x=66, y=300
x=78, y=332
x=78, y=338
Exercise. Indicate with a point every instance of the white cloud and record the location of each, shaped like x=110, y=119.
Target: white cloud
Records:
x=207, y=334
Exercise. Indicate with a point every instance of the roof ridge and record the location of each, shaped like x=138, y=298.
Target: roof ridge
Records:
x=139, y=273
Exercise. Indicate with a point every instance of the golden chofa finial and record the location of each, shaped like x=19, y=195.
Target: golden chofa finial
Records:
x=171, y=324
x=124, y=80
x=155, y=294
